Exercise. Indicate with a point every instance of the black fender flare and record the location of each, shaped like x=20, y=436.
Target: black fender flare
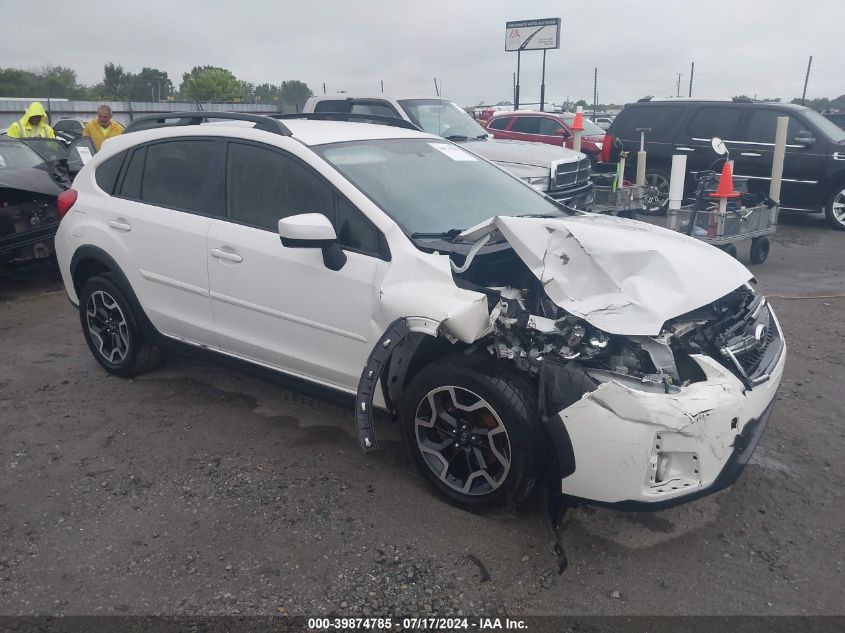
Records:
x=97, y=254
x=378, y=360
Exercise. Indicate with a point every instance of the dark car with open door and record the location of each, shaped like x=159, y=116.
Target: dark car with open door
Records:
x=33, y=175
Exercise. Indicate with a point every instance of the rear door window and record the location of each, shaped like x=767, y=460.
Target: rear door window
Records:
x=177, y=175
x=660, y=118
x=527, y=125
x=712, y=121
x=549, y=126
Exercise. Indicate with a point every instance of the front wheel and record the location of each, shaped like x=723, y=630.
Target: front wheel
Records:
x=835, y=208
x=656, y=192
x=472, y=427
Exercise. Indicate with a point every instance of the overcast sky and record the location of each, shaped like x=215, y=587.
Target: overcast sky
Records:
x=755, y=47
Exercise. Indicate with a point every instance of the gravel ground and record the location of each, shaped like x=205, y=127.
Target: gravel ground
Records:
x=211, y=487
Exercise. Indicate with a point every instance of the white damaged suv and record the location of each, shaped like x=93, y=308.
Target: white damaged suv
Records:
x=511, y=337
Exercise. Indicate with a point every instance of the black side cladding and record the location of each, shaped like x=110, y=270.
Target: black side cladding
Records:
x=373, y=369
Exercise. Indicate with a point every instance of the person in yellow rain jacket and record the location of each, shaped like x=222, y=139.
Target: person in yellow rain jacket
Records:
x=102, y=127
x=33, y=124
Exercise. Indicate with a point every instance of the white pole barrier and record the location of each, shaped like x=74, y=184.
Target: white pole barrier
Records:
x=676, y=189
x=576, y=140
x=777, y=165
x=641, y=158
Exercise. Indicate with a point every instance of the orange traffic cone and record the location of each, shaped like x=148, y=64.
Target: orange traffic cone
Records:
x=578, y=123
x=726, y=184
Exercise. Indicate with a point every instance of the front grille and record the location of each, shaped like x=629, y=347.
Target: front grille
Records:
x=755, y=345
x=571, y=174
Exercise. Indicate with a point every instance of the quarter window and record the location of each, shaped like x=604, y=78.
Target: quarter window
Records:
x=264, y=186
x=106, y=174
x=176, y=174
x=131, y=187
x=499, y=123
x=354, y=230
x=715, y=121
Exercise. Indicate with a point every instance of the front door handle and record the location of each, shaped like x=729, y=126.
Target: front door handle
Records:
x=229, y=256
x=120, y=224
x=754, y=154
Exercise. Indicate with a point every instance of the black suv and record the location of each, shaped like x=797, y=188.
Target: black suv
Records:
x=814, y=168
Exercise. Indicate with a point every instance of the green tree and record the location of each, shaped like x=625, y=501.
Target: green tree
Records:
x=19, y=83
x=115, y=81
x=60, y=82
x=295, y=93
x=210, y=83
x=266, y=93
x=151, y=84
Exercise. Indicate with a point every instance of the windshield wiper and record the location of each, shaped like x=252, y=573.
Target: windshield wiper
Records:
x=446, y=235
x=481, y=137
x=456, y=137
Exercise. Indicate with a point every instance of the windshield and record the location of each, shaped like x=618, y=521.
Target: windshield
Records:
x=432, y=187
x=825, y=126
x=16, y=155
x=50, y=149
x=590, y=128
x=442, y=118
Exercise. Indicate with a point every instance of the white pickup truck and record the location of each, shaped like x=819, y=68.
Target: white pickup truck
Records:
x=558, y=172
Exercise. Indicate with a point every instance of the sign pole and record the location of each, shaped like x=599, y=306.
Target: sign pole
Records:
x=543, y=84
x=516, y=94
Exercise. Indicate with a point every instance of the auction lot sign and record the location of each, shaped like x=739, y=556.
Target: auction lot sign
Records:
x=532, y=35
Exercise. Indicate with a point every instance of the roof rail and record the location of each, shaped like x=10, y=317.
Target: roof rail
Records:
x=644, y=100
x=173, y=119
x=357, y=117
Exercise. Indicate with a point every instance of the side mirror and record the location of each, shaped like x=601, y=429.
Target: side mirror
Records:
x=313, y=230
x=718, y=146
x=804, y=138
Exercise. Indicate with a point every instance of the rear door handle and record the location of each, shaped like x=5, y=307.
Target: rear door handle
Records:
x=685, y=149
x=120, y=224
x=229, y=256
x=754, y=154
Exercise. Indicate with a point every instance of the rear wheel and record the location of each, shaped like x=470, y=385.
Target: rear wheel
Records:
x=111, y=329
x=835, y=208
x=472, y=428
x=759, y=250
x=656, y=193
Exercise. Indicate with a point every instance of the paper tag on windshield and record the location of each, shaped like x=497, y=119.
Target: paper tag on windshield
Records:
x=84, y=153
x=455, y=153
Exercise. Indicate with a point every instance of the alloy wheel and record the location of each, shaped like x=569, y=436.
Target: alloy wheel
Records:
x=656, y=193
x=462, y=440
x=107, y=326
x=838, y=207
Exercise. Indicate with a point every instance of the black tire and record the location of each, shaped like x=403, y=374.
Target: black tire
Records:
x=656, y=195
x=730, y=249
x=512, y=405
x=834, y=210
x=759, y=250
x=111, y=329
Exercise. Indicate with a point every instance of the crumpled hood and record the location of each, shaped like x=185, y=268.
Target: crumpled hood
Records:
x=622, y=276
x=522, y=153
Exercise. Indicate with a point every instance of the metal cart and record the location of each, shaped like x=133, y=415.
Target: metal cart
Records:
x=724, y=226
x=626, y=201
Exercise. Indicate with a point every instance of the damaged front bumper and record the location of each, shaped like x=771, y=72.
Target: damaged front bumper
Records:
x=641, y=450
